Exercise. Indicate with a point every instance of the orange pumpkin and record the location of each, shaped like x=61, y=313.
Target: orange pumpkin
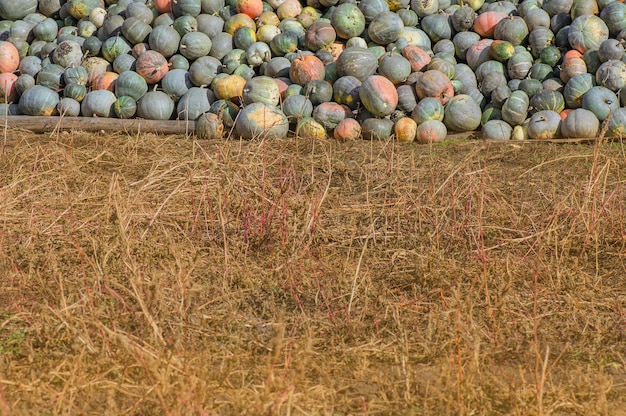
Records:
x=8, y=92
x=163, y=6
x=152, y=66
x=405, y=129
x=306, y=68
x=9, y=57
x=565, y=112
x=105, y=81
x=229, y=88
x=485, y=23
x=417, y=57
x=347, y=130
x=572, y=67
x=572, y=53
x=283, y=84
x=252, y=8
x=238, y=21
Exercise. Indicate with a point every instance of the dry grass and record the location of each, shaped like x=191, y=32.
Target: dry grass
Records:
x=150, y=275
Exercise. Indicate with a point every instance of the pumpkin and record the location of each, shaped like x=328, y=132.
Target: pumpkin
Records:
x=8, y=90
x=395, y=67
x=113, y=47
x=501, y=50
x=306, y=68
x=512, y=29
x=209, y=127
x=572, y=67
x=357, y=62
x=152, y=66
x=131, y=84
x=252, y=8
x=385, y=28
x=462, y=114
x=105, y=81
x=348, y=20
x=261, y=120
x=463, y=18
x=519, y=65
x=478, y=53
x=98, y=104
x=319, y=35
x=496, y=130
x=485, y=24
x=229, y=88
x=587, y=32
x=515, y=109
x=261, y=89
x=309, y=128
x=329, y=114
x=347, y=130
x=373, y=128
x=434, y=84
x=194, y=45
x=405, y=129
x=155, y=105
x=195, y=102
x=544, y=125
x=346, y=91
x=614, y=16
x=425, y=7
x=186, y=7
x=576, y=87
x=580, y=124
x=431, y=131
x=67, y=54
x=163, y=6
x=427, y=109
x=80, y=9
x=318, y=91
x=617, y=124
x=204, y=70
x=68, y=107
x=125, y=107
x=135, y=30
x=601, y=101
x=296, y=107
x=165, y=40
x=612, y=75
x=378, y=95
x=547, y=100
x=418, y=58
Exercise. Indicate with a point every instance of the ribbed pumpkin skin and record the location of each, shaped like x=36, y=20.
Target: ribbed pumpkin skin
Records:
x=515, y=109
x=348, y=21
x=405, y=130
x=428, y=109
x=376, y=128
x=462, y=114
x=431, y=131
x=306, y=68
x=155, y=105
x=395, y=67
x=194, y=45
x=152, y=66
x=329, y=114
x=497, y=130
x=357, y=62
x=105, y=81
x=601, y=101
x=544, y=125
x=580, y=124
x=9, y=57
x=165, y=40
x=98, y=104
x=612, y=75
x=547, y=100
x=417, y=57
x=261, y=89
x=385, y=28
x=195, y=102
x=125, y=107
x=347, y=130
x=378, y=95
x=434, y=84
x=485, y=24
x=587, y=32
x=68, y=107
x=309, y=128
x=260, y=120
x=131, y=84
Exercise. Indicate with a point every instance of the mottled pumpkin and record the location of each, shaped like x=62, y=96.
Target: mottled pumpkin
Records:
x=152, y=66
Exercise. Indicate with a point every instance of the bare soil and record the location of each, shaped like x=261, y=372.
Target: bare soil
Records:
x=159, y=275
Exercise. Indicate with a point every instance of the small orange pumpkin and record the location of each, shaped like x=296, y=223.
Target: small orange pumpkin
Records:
x=405, y=129
x=9, y=57
x=152, y=66
x=347, y=130
x=306, y=68
x=105, y=81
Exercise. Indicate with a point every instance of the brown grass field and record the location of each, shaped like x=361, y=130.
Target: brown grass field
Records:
x=159, y=275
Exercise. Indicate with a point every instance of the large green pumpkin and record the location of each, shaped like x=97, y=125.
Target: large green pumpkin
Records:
x=357, y=62
x=462, y=113
x=587, y=32
x=515, y=109
x=385, y=28
x=186, y=7
x=261, y=89
x=580, y=124
x=194, y=45
x=17, y=9
x=98, y=103
x=261, y=120
x=155, y=105
x=39, y=101
x=576, y=87
x=348, y=21
x=131, y=84
x=601, y=101
x=195, y=102
x=544, y=125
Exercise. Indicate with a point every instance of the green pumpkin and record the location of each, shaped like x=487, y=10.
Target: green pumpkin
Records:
x=547, y=100
x=261, y=120
x=601, y=101
x=98, y=103
x=348, y=21
x=131, y=84
x=462, y=114
x=155, y=105
x=125, y=107
x=261, y=89
x=186, y=7
x=386, y=27
x=135, y=30
x=426, y=109
x=75, y=91
x=194, y=45
x=515, y=109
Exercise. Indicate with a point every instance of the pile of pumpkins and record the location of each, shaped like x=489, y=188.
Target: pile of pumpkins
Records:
x=415, y=70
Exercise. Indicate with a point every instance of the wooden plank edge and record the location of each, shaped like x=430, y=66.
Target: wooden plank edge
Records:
x=39, y=124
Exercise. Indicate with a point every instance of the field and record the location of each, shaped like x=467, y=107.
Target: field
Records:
x=159, y=275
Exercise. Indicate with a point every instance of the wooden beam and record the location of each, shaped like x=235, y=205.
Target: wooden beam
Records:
x=93, y=124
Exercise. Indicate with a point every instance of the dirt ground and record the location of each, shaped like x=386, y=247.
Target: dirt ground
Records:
x=159, y=275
